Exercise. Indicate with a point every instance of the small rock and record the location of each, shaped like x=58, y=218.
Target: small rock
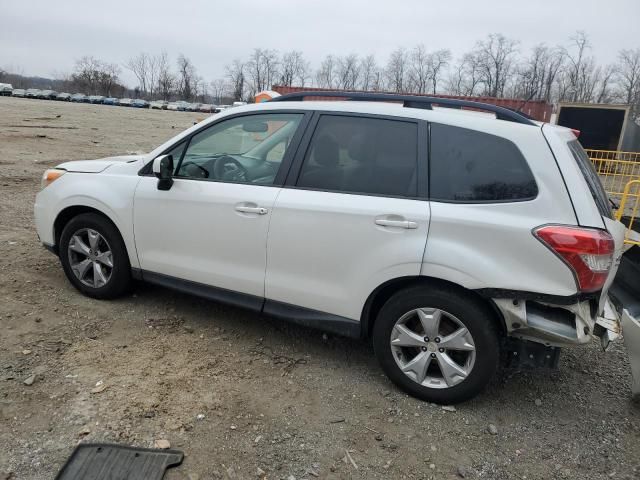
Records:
x=432, y=466
x=492, y=429
x=260, y=472
x=462, y=472
x=29, y=380
x=26, y=351
x=291, y=477
x=162, y=443
x=99, y=388
x=378, y=437
x=449, y=408
x=257, y=439
x=200, y=416
x=538, y=402
x=84, y=432
x=233, y=427
x=336, y=420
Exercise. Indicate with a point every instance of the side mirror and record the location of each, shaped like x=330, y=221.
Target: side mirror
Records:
x=163, y=169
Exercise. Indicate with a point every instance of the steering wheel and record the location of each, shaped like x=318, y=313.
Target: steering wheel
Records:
x=192, y=169
x=228, y=168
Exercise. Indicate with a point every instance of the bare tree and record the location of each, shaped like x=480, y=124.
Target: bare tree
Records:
x=186, y=78
x=495, y=61
x=326, y=75
x=262, y=69
x=348, y=71
x=580, y=78
x=166, y=81
x=369, y=72
x=396, y=71
x=438, y=61
x=536, y=75
x=95, y=76
x=219, y=87
x=628, y=76
x=139, y=66
x=236, y=76
x=419, y=70
x=605, y=77
x=464, y=77
x=294, y=69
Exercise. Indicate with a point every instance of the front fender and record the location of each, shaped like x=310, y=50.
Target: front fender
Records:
x=111, y=195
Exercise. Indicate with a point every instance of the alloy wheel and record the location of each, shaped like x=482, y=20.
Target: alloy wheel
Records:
x=433, y=347
x=90, y=258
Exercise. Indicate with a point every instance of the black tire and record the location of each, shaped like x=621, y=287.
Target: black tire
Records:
x=470, y=312
x=119, y=280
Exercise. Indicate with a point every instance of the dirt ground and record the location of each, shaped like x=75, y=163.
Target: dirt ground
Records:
x=238, y=392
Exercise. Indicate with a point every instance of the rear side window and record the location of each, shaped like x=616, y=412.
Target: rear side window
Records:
x=362, y=155
x=591, y=176
x=470, y=166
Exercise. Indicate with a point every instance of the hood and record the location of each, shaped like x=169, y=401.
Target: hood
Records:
x=97, y=166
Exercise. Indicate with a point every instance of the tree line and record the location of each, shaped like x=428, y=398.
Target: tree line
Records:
x=495, y=66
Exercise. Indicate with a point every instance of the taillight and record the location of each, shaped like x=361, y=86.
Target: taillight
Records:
x=587, y=251
x=575, y=132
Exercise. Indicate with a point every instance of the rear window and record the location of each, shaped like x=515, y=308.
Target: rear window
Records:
x=591, y=176
x=475, y=167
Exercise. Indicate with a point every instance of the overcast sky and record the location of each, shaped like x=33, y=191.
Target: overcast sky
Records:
x=41, y=37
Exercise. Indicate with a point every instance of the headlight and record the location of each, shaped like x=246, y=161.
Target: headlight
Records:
x=51, y=175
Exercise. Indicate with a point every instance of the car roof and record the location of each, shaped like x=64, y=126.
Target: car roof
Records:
x=469, y=119
x=446, y=115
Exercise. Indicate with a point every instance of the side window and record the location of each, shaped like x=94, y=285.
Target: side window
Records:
x=591, y=176
x=176, y=154
x=245, y=149
x=470, y=166
x=362, y=155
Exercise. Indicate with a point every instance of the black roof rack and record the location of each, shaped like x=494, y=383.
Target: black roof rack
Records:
x=411, y=101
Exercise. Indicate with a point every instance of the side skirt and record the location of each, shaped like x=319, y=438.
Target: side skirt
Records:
x=299, y=315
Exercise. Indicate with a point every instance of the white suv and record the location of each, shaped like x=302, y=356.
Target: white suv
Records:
x=446, y=235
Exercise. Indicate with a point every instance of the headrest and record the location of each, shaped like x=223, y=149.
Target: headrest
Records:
x=326, y=151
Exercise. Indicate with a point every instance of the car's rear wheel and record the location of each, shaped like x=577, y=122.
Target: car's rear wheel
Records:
x=94, y=256
x=437, y=344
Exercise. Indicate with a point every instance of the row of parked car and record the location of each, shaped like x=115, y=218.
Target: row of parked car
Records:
x=181, y=106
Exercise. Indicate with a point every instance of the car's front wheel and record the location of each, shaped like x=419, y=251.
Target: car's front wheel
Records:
x=94, y=256
x=437, y=344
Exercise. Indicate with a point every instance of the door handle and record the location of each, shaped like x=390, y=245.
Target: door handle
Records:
x=385, y=222
x=258, y=210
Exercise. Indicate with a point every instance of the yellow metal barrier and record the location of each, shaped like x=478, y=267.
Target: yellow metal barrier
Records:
x=620, y=176
x=628, y=210
x=615, y=169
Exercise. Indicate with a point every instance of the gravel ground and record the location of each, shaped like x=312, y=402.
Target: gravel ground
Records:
x=242, y=395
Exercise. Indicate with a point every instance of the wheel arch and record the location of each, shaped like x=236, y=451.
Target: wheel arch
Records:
x=66, y=214
x=383, y=292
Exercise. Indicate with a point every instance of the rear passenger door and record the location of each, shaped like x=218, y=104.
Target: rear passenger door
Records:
x=353, y=214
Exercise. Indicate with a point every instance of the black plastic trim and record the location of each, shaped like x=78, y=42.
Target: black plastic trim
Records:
x=222, y=295
x=535, y=296
x=292, y=313
x=411, y=101
x=51, y=248
x=313, y=318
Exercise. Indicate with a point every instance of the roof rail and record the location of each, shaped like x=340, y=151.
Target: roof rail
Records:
x=411, y=101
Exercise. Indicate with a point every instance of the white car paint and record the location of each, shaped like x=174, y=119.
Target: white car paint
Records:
x=315, y=255
x=324, y=251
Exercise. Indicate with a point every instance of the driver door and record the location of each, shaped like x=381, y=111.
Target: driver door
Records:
x=211, y=226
